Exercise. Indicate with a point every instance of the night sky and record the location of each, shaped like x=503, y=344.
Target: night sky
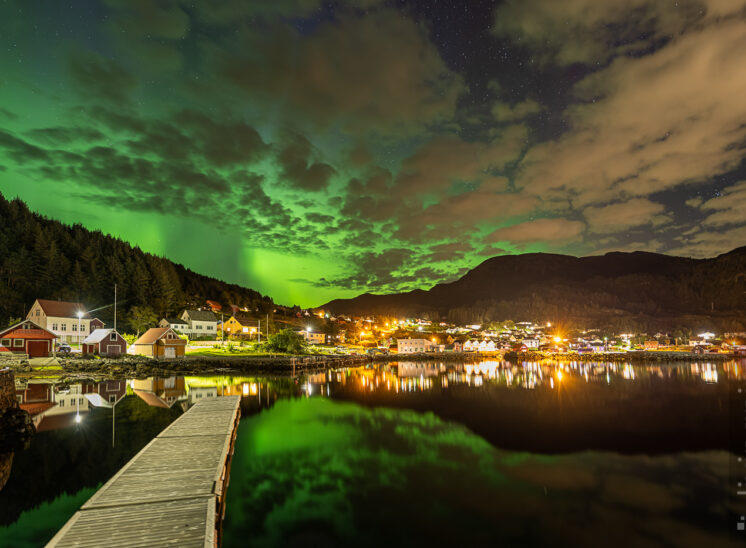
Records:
x=314, y=150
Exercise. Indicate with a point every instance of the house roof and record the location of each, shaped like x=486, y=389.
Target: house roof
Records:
x=172, y=321
x=151, y=399
x=62, y=309
x=98, y=335
x=201, y=315
x=243, y=319
x=3, y=349
x=152, y=335
x=35, y=333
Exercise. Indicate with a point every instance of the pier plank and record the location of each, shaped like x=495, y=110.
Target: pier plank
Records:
x=170, y=493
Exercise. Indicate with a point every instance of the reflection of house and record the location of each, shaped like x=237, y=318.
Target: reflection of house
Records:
x=106, y=393
x=61, y=318
x=29, y=338
x=159, y=392
x=197, y=393
x=410, y=346
x=417, y=369
x=160, y=342
x=105, y=342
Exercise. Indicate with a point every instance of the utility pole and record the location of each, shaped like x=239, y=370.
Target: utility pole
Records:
x=222, y=327
x=259, y=332
x=115, y=315
x=267, y=325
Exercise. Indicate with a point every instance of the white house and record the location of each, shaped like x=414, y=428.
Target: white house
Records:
x=531, y=343
x=411, y=346
x=69, y=321
x=200, y=322
x=480, y=346
x=177, y=324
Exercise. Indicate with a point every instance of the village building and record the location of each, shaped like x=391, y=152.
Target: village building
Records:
x=200, y=322
x=313, y=337
x=412, y=346
x=96, y=323
x=177, y=324
x=27, y=337
x=160, y=342
x=104, y=342
x=69, y=321
x=240, y=325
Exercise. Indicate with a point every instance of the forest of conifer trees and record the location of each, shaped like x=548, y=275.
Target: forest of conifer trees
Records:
x=42, y=258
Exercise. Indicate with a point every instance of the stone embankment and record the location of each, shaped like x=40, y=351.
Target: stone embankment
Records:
x=16, y=427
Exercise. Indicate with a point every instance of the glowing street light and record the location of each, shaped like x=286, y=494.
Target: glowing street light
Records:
x=80, y=315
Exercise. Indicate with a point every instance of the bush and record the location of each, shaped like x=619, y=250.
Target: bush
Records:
x=286, y=340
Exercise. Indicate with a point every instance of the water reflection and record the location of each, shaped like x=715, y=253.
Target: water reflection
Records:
x=87, y=429
x=323, y=473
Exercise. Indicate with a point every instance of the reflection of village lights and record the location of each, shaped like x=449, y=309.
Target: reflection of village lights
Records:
x=559, y=375
x=77, y=418
x=245, y=389
x=549, y=324
x=557, y=339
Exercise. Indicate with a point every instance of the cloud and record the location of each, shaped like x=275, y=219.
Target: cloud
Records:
x=727, y=209
x=98, y=77
x=588, y=31
x=505, y=112
x=649, y=124
x=540, y=230
x=377, y=72
x=625, y=215
x=298, y=169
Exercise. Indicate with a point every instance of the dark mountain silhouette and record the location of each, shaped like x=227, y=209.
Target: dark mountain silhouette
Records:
x=617, y=289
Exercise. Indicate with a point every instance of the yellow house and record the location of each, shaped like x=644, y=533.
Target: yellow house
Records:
x=241, y=326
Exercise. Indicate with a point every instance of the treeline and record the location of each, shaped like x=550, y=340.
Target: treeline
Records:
x=42, y=258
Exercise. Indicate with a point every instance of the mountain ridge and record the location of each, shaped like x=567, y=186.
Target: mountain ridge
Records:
x=617, y=287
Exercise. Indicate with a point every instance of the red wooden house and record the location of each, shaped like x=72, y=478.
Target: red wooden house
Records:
x=104, y=342
x=28, y=338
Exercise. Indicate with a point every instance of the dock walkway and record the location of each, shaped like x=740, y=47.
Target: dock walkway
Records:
x=172, y=493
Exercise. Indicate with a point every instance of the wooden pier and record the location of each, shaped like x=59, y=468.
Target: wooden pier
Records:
x=172, y=493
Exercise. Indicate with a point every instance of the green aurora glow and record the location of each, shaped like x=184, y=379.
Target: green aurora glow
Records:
x=315, y=152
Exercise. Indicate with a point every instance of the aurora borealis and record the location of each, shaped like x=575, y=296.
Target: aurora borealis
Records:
x=314, y=150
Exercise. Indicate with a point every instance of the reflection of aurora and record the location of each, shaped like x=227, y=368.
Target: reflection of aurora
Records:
x=318, y=472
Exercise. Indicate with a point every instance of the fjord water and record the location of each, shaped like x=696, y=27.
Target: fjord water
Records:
x=410, y=454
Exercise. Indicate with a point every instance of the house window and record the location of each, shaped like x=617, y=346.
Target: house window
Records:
x=112, y=398
x=18, y=342
x=5, y=342
x=63, y=327
x=37, y=312
x=75, y=327
x=62, y=403
x=54, y=327
x=199, y=327
x=80, y=401
x=209, y=328
x=113, y=337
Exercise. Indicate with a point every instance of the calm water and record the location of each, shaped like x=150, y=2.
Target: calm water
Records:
x=418, y=454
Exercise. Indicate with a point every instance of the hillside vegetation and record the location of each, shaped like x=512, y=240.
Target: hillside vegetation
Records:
x=42, y=258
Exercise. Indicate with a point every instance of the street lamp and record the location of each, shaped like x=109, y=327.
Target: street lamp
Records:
x=80, y=315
